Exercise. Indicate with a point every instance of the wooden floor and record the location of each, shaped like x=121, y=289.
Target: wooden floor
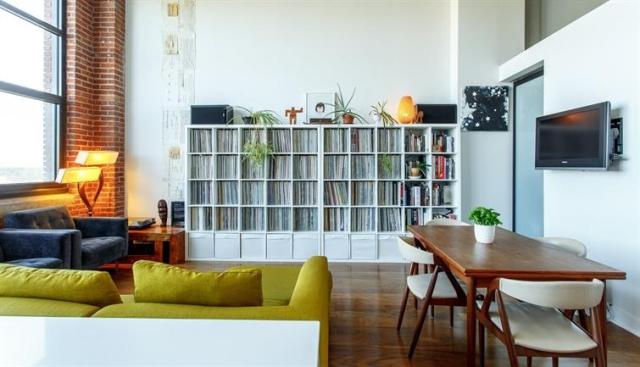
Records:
x=365, y=304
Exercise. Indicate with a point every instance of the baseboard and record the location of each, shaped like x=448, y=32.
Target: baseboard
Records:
x=626, y=320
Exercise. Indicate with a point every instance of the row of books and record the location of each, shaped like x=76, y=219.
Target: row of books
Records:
x=390, y=220
x=442, y=142
x=442, y=194
x=226, y=219
x=201, y=219
x=252, y=193
x=335, y=140
x=363, y=193
x=226, y=167
x=417, y=216
x=389, y=140
x=362, y=140
x=305, y=141
x=443, y=168
x=279, y=193
x=227, y=193
x=252, y=219
x=279, y=167
x=336, y=167
x=417, y=195
x=335, y=219
x=201, y=166
x=415, y=142
x=200, y=141
x=336, y=193
x=305, y=167
x=305, y=219
x=363, y=220
x=363, y=167
x=305, y=193
x=200, y=192
x=227, y=141
x=279, y=219
x=280, y=140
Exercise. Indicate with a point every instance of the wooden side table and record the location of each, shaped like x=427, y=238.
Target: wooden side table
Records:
x=159, y=235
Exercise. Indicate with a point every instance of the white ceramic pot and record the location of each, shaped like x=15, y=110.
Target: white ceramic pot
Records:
x=484, y=234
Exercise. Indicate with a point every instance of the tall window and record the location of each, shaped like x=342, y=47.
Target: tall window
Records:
x=31, y=90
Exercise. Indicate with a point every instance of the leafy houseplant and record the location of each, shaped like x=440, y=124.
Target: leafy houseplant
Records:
x=419, y=167
x=343, y=110
x=380, y=114
x=257, y=153
x=485, y=221
x=260, y=117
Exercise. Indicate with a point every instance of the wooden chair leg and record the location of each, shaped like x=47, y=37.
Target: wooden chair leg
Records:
x=433, y=312
x=529, y=361
x=481, y=343
x=582, y=316
x=418, y=331
x=402, y=308
x=555, y=362
x=451, y=316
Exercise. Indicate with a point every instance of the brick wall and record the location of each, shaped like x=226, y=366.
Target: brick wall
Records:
x=95, y=93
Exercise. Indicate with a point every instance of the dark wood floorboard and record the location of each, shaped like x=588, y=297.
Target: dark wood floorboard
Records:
x=365, y=303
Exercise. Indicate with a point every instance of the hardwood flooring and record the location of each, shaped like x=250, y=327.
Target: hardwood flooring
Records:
x=365, y=303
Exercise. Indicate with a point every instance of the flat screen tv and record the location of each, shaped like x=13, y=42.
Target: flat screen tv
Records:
x=575, y=139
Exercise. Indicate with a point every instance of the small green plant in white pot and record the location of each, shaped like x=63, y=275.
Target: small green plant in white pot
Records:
x=485, y=221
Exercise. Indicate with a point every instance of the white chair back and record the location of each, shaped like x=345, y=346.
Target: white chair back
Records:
x=567, y=244
x=446, y=222
x=561, y=295
x=413, y=254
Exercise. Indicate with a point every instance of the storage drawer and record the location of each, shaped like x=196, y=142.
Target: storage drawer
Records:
x=363, y=247
x=227, y=246
x=388, y=248
x=252, y=246
x=279, y=246
x=305, y=245
x=200, y=246
x=336, y=246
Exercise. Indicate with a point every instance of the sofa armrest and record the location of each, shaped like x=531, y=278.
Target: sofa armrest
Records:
x=104, y=226
x=63, y=244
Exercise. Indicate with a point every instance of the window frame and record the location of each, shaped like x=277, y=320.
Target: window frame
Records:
x=51, y=187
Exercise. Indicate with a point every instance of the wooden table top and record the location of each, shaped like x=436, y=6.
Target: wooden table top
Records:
x=511, y=255
x=158, y=229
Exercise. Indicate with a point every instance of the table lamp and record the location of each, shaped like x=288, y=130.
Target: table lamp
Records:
x=80, y=176
x=407, y=111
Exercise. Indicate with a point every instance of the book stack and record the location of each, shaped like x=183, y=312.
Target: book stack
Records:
x=415, y=142
x=336, y=193
x=200, y=141
x=441, y=195
x=444, y=168
x=444, y=213
x=418, y=195
x=442, y=142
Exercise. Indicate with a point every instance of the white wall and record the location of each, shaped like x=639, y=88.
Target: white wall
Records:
x=490, y=32
x=595, y=59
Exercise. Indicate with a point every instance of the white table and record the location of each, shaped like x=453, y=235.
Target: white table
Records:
x=91, y=342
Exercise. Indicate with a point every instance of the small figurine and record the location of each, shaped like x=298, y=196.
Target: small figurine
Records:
x=163, y=212
x=292, y=114
x=419, y=117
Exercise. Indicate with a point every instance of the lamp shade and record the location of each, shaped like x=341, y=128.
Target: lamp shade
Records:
x=78, y=174
x=96, y=157
x=406, y=110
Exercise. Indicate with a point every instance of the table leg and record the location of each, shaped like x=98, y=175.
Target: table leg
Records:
x=602, y=310
x=471, y=321
x=157, y=251
x=176, y=249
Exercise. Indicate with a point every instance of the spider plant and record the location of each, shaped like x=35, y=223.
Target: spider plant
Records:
x=260, y=117
x=420, y=167
x=343, y=110
x=257, y=153
x=380, y=114
x=386, y=164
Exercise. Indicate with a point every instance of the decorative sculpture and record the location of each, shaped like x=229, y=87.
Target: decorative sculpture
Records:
x=163, y=212
x=292, y=114
x=420, y=117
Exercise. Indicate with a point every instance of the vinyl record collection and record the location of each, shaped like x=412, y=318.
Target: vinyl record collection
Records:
x=279, y=193
x=226, y=167
x=226, y=219
x=305, y=141
x=305, y=219
x=362, y=140
x=305, y=167
x=200, y=141
x=363, y=220
x=363, y=167
x=252, y=171
x=252, y=193
x=280, y=140
x=335, y=219
x=253, y=136
x=305, y=193
x=252, y=219
x=389, y=140
x=390, y=194
x=279, y=219
x=201, y=219
x=336, y=193
x=227, y=193
x=200, y=192
x=363, y=193
x=389, y=220
x=336, y=167
x=279, y=167
x=201, y=167
x=335, y=140
x=396, y=167
x=227, y=141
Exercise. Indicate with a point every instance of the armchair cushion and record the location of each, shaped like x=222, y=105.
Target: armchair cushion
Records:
x=38, y=262
x=100, y=250
x=102, y=226
x=19, y=244
x=57, y=217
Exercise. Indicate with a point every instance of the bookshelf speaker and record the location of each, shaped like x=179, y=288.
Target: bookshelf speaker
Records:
x=439, y=113
x=213, y=114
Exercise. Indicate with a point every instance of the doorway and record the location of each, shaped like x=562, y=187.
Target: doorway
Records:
x=528, y=185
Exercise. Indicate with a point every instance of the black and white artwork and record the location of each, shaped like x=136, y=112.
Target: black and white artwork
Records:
x=485, y=108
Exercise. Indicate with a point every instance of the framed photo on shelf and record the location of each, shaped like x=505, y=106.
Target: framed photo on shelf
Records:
x=320, y=107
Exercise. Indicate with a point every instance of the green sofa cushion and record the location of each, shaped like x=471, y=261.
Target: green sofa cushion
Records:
x=278, y=283
x=94, y=288
x=17, y=306
x=161, y=283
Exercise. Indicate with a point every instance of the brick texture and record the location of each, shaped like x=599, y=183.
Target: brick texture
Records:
x=95, y=94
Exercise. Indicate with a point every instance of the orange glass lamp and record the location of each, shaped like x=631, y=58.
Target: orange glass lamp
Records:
x=407, y=110
x=96, y=157
x=80, y=176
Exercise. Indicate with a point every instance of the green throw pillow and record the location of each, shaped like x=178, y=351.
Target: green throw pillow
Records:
x=160, y=283
x=80, y=286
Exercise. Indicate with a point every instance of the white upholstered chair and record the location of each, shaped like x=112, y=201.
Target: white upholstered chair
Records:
x=567, y=244
x=535, y=326
x=436, y=288
x=446, y=222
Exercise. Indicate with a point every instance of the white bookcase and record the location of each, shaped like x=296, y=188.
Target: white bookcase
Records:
x=325, y=191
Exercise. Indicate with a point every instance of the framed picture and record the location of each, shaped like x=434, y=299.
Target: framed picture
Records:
x=320, y=107
x=485, y=108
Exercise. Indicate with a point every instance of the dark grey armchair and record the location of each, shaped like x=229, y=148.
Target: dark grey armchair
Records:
x=94, y=240
x=36, y=248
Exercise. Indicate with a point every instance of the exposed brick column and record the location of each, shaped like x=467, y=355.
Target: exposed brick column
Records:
x=95, y=93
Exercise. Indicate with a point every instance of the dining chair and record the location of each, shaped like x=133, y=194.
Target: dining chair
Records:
x=567, y=244
x=433, y=288
x=534, y=327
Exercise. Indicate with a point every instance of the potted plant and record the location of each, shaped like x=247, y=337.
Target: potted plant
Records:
x=485, y=221
x=257, y=153
x=260, y=117
x=418, y=169
x=343, y=110
x=380, y=114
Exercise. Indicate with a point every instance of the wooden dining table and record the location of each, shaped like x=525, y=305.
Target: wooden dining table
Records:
x=510, y=256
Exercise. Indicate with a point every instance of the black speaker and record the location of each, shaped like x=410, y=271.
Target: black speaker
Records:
x=439, y=113
x=213, y=114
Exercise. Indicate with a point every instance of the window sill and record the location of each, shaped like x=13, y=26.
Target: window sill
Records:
x=8, y=191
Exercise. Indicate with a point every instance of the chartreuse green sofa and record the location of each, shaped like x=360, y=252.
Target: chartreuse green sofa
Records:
x=288, y=293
